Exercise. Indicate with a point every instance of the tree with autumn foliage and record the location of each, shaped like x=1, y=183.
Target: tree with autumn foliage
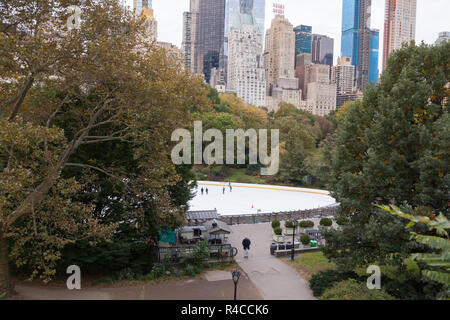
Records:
x=392, y=148
x=67, y=93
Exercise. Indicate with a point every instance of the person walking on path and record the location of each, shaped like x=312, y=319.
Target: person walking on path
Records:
x=202, y=191
x=207, y=191
x=223, y=190
x=246, y=245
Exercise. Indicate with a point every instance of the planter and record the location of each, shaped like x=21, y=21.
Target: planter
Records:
x=289, y=231
x=278, y=238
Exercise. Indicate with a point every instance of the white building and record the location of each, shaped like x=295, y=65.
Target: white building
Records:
x=321, y=98
x=246, y=75
x=443, y=36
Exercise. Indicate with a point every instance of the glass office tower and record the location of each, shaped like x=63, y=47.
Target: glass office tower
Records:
x=356, y=37
x=211, y=26
x=303, y=40
x=374, y=56
x=350, y=30
x=322, y=49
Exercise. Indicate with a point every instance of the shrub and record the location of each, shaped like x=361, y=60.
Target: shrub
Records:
x=326, y=222
x=307, y=224
x=324, y=280
x=354, y=290
x=199, y=255
x=278, y=231
x=341, y=220
x=157, y=272
x=305, y=239
x=289, y=224
x=192, y=270
x=276, y=224
x=412, y=289
x=126, y=275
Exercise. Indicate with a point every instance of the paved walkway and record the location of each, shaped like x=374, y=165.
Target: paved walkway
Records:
x=215, y=285
x=273, y=278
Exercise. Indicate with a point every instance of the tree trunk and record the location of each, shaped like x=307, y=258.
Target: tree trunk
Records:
x=5, y=280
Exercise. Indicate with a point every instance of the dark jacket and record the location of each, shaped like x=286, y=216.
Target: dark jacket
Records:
x=246, y=244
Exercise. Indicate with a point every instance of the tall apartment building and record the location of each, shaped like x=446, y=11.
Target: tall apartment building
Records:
x=399, y=25
x=190, y=37
x=279, y=52
x=308, y=72
x=246, y=75
x=303, y=40
x=356, y=37
x=151, y=24
x=320, y=91
x=443, y=36
x=343, y=75
x=138, y=5
x=322, y=49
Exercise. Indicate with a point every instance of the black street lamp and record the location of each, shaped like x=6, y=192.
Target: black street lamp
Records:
x=293, y=239
x=236, y=275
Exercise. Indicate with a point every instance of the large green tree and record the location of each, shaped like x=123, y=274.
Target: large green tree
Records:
x=92, y=93
x=392, y=148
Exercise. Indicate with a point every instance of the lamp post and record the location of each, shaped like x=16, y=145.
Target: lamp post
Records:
x=236, y=275
x=293, y=239
x=269, y=119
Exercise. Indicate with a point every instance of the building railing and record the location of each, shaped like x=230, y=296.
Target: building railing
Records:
x=323, y=212
x=175, y=254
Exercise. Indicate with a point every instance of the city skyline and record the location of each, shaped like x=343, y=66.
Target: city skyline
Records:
x=324, y=16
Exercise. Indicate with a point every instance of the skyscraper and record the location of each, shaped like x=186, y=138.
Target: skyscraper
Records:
x=140, y=4
x=279, y=52
x=356, y=36
x=232, y=9
x=374, y=52
x=245, y=69
x=399, y=25
x=322, y=49
x=190, y=37
x=211, y=26
x=303, y=40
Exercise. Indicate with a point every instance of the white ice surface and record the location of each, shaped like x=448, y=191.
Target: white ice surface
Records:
x=263, y=198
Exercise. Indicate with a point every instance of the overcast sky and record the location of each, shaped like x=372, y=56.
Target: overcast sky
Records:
x=323, y=15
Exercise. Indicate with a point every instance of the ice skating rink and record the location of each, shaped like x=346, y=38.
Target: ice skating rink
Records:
x=253, y=199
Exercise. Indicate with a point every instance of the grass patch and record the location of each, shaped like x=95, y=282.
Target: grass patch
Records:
x=310, y=263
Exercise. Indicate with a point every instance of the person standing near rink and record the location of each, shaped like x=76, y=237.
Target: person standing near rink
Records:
x=246, y=245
